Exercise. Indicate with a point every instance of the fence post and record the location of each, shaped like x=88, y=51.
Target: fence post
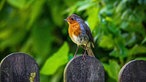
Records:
x=133, y=71
x=84, y=70
x=19, y=67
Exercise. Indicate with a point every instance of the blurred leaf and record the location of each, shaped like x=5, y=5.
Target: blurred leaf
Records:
x=70, y=2
x=106, y=42
x=112, y=28
x=141, y=58
x=130, y=38
x=106, y=12
x=2, y=2
x=141, y=1
x=57, y=76
x=124, y=25
x=27, y=46
x=137, y=49
x=93, y=18
x=41, y=36
x=84, y=5
x=5, y=33
x=120, y=7
x=112, y=69
x=144, y=40
x=58, y=59
x=119, y=50
x=70, y=10
x=132, y=18
x=17, y=3
x=126, y=14
x=56, y=12
x=20, y=3
x=13, y=39
x=36, y=10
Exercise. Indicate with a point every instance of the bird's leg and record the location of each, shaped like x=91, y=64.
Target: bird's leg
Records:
x=84, y=55
x=76, y=51
x=85, y=51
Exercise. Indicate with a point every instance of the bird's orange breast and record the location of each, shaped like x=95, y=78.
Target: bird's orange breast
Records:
x=74, y=29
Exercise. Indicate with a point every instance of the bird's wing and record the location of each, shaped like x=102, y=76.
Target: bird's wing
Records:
x=88, y=32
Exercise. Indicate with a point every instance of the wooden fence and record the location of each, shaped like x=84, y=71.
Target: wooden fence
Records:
x=20, y=67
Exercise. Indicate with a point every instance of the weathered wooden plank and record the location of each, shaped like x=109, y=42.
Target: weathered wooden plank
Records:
x=80, y=70
x=19, y=67
x=134, y=71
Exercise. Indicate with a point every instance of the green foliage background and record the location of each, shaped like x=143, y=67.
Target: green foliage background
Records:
x=37, y=27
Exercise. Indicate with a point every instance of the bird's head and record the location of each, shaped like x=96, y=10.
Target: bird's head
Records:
x=73, y=19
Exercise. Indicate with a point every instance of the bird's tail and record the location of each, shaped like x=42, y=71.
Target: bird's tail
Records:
x=90, y=52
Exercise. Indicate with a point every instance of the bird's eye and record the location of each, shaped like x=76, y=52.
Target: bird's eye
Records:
x=72, y=18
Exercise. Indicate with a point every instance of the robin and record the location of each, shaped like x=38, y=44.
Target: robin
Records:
x=80, y=34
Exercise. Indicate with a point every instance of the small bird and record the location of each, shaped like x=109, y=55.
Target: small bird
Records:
x=80, y=34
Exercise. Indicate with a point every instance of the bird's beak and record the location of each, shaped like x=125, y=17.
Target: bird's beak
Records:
x=65, y=20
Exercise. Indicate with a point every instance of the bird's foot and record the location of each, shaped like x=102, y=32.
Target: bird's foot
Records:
x=83, y=58
x=75, y=55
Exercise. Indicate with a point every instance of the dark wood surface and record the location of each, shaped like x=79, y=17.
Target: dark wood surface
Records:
x=84, y=70
x=19, y=67
x=134, y=71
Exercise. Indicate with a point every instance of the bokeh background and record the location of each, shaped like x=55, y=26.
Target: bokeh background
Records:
x=37, y=27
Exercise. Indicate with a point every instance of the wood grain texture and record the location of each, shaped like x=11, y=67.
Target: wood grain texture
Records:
x=19, y=67
x=134, y=71
x=80, y=70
